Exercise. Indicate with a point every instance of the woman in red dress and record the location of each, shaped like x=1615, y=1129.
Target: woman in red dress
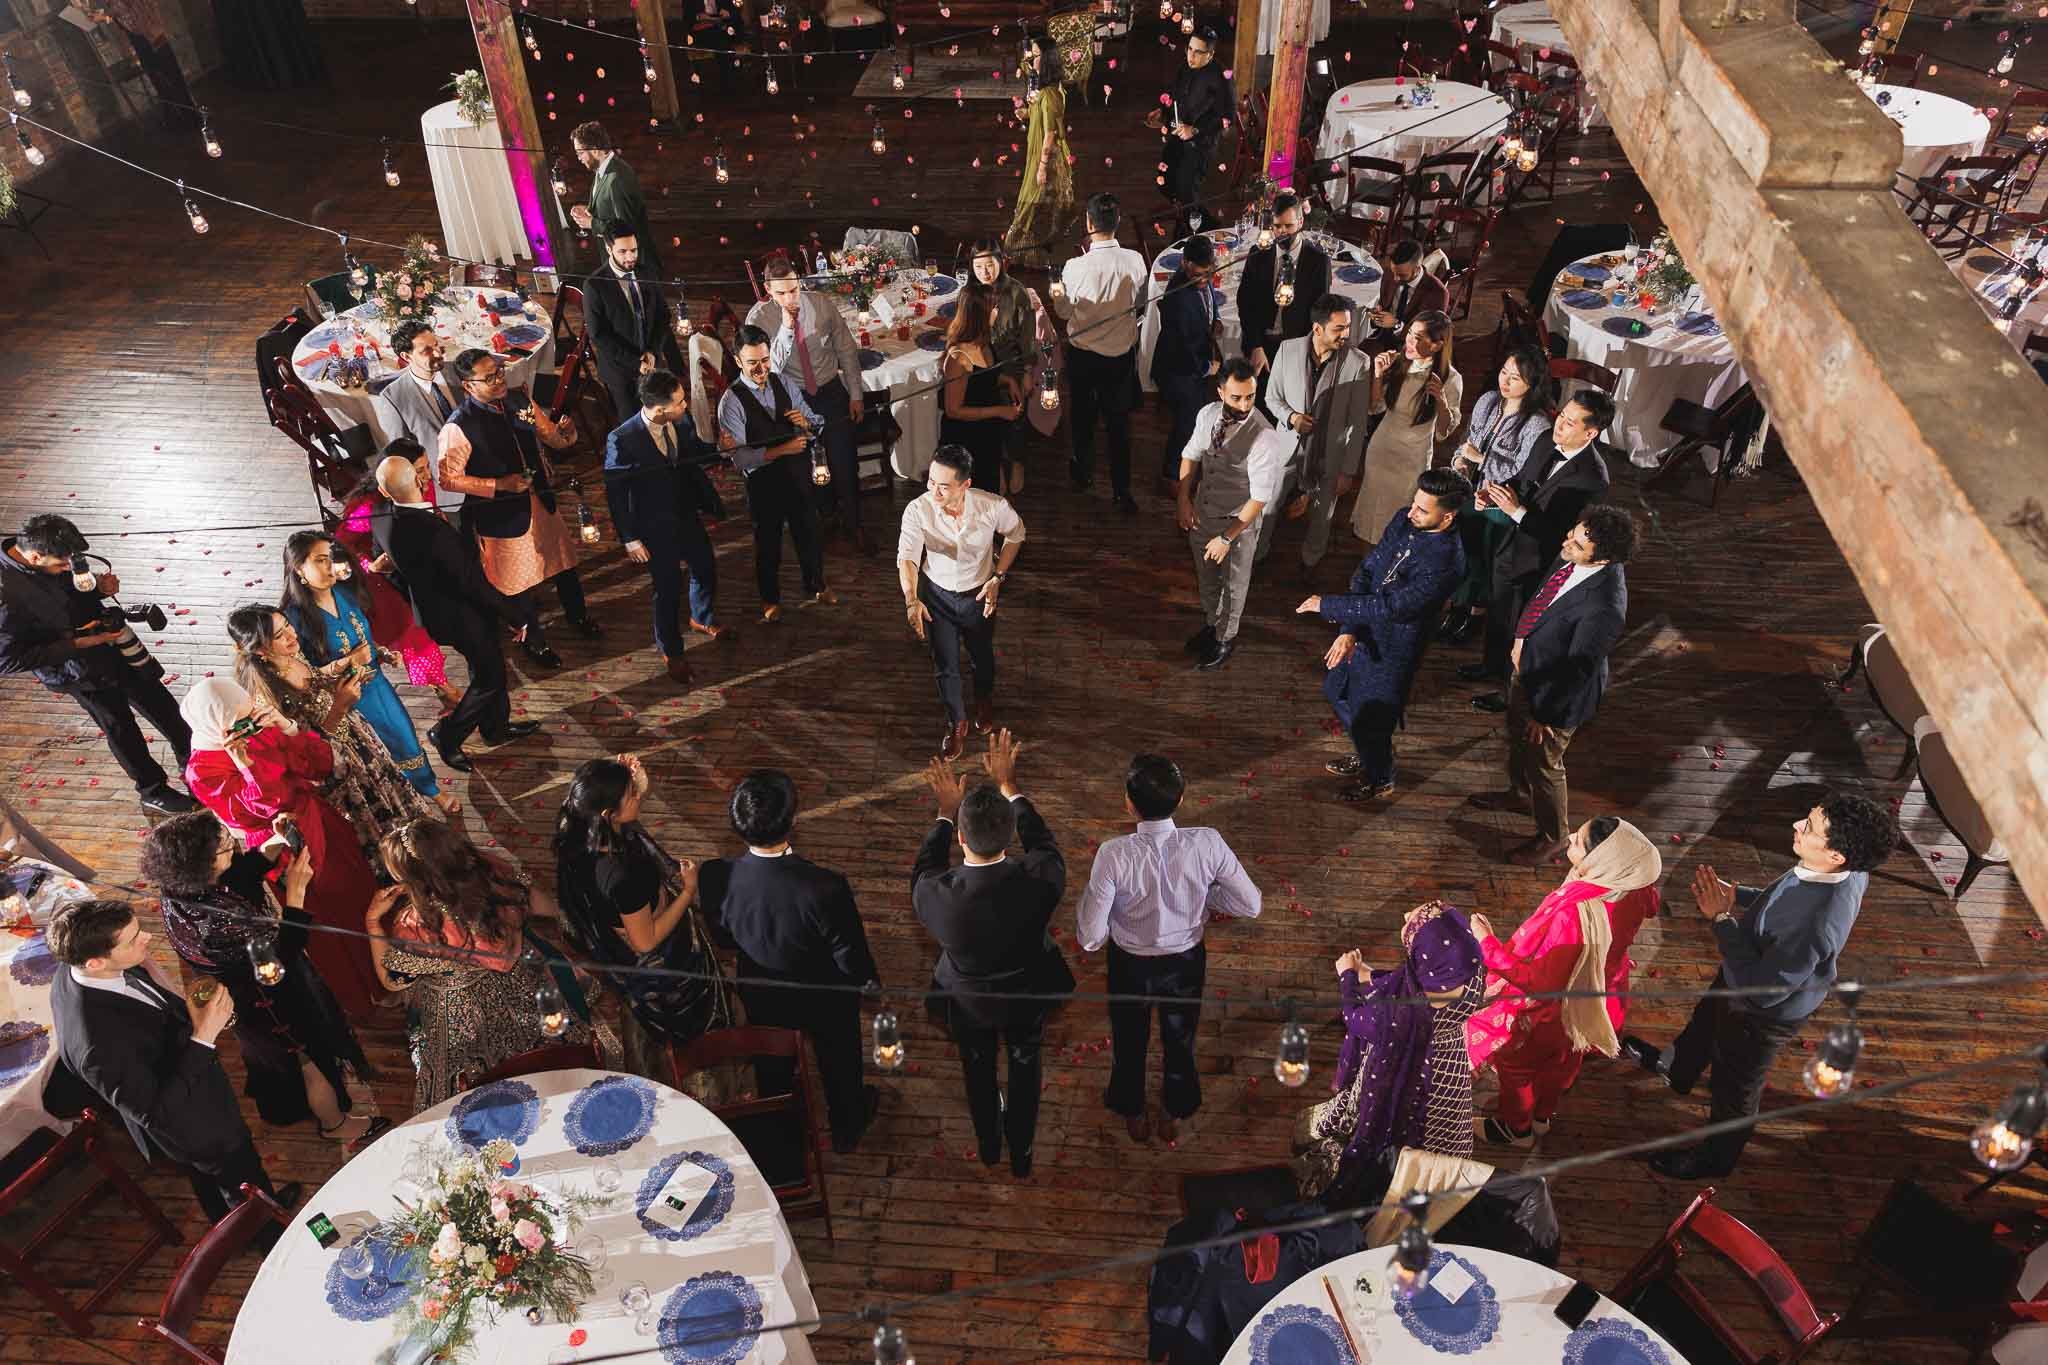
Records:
x=250, y=780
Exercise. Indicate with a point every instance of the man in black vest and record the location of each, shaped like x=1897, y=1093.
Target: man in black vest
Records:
x=771, y=428
x=491, y=454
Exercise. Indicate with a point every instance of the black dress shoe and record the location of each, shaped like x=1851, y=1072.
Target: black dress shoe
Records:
x=588, y=627
x=1493, y=703
x=541, y=654
x=1346, y=766
x=1366, y=791
x=1650, y=1058
x=1456, y=627
x=1020, y=1165
x=1476, y=672
x=1200, y=641
x=451, y=758
x=168, y=801
x=1688, y=1163
x=1217, y=655
x=518, y=729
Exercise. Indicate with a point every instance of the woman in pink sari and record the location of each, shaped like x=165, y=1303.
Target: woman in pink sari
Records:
x=1578, y=940
x=391, y=619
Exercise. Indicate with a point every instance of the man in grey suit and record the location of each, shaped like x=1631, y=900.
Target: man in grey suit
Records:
x=1320, y=389
x=812, y=348
x=417, y=403
x=1784, y=939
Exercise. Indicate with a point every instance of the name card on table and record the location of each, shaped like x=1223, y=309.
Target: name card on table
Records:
x=679, y=1198
x=1451, y=1281
x=884, y=311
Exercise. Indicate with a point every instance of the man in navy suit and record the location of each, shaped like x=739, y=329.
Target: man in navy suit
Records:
x=1184, y=355
x=655, y=507
x=1395, y=598
x=1559, y=662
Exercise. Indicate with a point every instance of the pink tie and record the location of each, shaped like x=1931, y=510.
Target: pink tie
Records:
x=803, y=352
x=1541, y=601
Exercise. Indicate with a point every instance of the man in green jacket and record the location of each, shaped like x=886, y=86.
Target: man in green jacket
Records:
x=614, y=194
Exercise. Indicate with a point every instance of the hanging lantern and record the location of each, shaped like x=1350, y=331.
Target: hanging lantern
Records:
x=1187, y=23
x=878, y=144
x=558, y=179
x=32, y=153
x=897, y=74
x=1290, y=1065
x=2004, y=1141
x=192, y=213
x=1869, y=43
x=206, y=137
x=265, y=961
x=2007, y=55
x=892, y=1347
x=821, y=471
x=21, y=96
x=1166, y=9
x=554, y=1010
x=888, y=1041
x=390, y=166
x=1833, y=1068
x=1283, y=282
x=1049, y=389
x=586, y=520
x=1409, y=1271
x=718, y=170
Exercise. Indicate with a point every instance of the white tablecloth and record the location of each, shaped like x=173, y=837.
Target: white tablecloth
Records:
x=1375, y=118
x=1678, y=355
x=908, y=366
x=25, y=1061
x=290, y=1313
x=1530, y=25
x=1935, y=127
x=1352, y=274
x=459, y=326
x=480, y=218
x=1504, y=1317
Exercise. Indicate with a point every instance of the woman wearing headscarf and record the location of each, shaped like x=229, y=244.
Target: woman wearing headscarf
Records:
x=1578, y=940
x=250, y=765
x=1403, y=1078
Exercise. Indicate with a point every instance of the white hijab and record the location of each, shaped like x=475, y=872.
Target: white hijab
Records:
x=1625, y=861
x=211, y=708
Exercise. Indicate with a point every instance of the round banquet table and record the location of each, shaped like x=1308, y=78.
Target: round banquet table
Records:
x=1352, y=274
x=905, y=359
x=1935, y=127
x=1991, y=278
x=1504, y=1316
x=734, y=1255
x=1531, y=25
x=1676, y=354
x=480, y=219
x=34, y=892
x=460, y=326
x=1375, y=118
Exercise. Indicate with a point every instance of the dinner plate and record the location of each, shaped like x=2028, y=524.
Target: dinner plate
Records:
x=1611, y=1341
x=502, y=1109
x=719, y=1306
x=1296, y=1334
x=710, y=1211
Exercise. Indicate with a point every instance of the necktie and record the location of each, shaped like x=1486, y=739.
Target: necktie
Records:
x=142, y=981
x=1538, y=604
x=633, y=297
x=1401, y=303
x=441, y=405
x=803, y=352
x=660, y=430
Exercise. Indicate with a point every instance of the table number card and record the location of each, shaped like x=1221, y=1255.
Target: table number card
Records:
x=1451, y=1280
x=885, y=311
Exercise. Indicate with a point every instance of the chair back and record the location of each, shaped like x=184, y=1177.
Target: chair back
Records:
x=195, y=1275
x=569, y=380
x=569, y=296
x=2021, y=112
x=1522, y=325
x=277, y=344
x=753, y=280
x=1582, y=372
x=780, y=1132
x=334, y=289
x=1519, y=88
x=1751, y=1258
x=1502, y=57
x=1462, y=234
x=1898, y=68
x=1891, y=687
x=554, y=1057
x=1950, y=796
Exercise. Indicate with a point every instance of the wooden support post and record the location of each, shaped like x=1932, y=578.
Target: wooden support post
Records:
x=1244, y=58
x=665, y=97
x=504, y=68
x=1290, y=79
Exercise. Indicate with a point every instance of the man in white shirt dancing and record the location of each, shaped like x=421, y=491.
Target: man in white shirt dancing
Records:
x=1099, y=295
x=947, y=565
x=1149, y=895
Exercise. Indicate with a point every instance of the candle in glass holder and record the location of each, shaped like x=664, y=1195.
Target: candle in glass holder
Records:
x=1283, y=293
x=863, y=337
x=863, y=317
x=265, y=961
x=821, y=472
x=903, y=331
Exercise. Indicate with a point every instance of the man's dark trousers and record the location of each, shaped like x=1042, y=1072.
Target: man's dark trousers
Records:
x=1738, y=1046
x=1130, y=1027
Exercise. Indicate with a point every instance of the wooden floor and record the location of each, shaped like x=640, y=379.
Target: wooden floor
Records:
x=127, y=401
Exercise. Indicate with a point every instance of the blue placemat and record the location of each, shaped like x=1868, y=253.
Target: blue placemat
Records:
x=931, y=341
x=1586, y=270
x=720, y=1306
x=941, y=285
x=870, y=358
x=1610, y=1341
x=351, y=1299
x=1294, y=1334
x=946, y=310
x=524, y=333
x=1452, y=1328
x=1169, y=261
x=1699, y=325
x=21, y=1057
x=502, y=1109
x=1632, y=328
x=1584, y=298
x=1357, y=274
x=326, y=332
x=706, y=1216
x=33, y=964
x=609, y=1115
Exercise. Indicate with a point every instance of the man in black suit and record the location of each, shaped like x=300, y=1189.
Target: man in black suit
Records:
x=1184, y=358
x=794, y=921
x=655, y=500
x=1566, y=472
x=1191, y=119
x=1562, y=640
x=991, y=916
x=437, y=568
x=1406, y=290
x=135, y=1046
x=628, y=320
x=1267, y=322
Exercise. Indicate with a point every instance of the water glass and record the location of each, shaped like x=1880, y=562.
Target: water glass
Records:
x=327, y=309
x=638, y=1302
x=591, y=1248
x=607, y=1177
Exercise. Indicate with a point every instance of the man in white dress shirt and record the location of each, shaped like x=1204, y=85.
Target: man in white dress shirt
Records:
x=1100, y=295
x=1149, y=895
x=810, y=346
x=1230, y=473
x=947, y=565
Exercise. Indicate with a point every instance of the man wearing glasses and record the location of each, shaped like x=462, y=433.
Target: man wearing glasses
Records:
x=1192, y=118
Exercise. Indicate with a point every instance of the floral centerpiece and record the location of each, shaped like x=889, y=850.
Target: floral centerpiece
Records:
x=488, y=1243
x=412, y=288
x=472, y=96
x=1662, y=271
x=859, y=271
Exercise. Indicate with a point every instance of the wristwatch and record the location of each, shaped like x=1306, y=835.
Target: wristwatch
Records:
x=1725, y=917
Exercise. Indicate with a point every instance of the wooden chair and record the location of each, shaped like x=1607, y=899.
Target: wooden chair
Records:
x=1563, y=371
x=1247, y=164
x=1961, y=200
x=1501, y=58
x=1698, y=428
x=570, y=296
x=1956, y=1275
x=1658, y=1293
x=1369, y=216
x=1463, y=235
x=2025, y=109
x=1519, y=87
x=1891, y=687
x=875, y=437
x=1949, y=797
x=1519, y=325
x=332, y=468
x=22, y=1260
x=780, y=1132
x=335, y=289
x=195, y=1275
x=555, y=1057
x=1897, y=68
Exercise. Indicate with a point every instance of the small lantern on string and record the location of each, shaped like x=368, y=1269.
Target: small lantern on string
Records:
x=1283, y=281
x=647, y=70
x=2004, y=1141
x=878, y=144
x=774, y=86
x=192, y=213
x=1869, y=43
x=554, y=1010
x=1187, y=22
x=2007, y=55
x=897, y=75
x=586, y=520
x=888, y=1041
x=265, y=961
x=718, y=169
x=206, y=137
x=2020, y=291
x=558, y=178
x=1166, y=9
x=821, y=469
x=1049, y=389
x=1265, y=225
x=1832, y=1069
x=892, y=1347
x=29, y=151
x=1290, y=1064
x=82, y=577
x=22, y=99
x=1409, y=1271
x=390, y=166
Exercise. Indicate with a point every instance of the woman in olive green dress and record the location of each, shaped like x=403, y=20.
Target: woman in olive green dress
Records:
x=1045, y=199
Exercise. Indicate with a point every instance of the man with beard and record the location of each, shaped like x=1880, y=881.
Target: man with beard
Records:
x=1229, y=474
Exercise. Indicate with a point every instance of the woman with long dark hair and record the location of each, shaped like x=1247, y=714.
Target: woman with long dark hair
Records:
x=979, y=405
x=219, y=899
x=457, y=946
x=391, y=615
x=1419, y=392
x=333, y=626
x=632, y=905
x=1045, y=201
x=1506, y=421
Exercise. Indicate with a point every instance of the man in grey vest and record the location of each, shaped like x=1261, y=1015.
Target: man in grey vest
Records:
x=1785, y=940
x=1229, y=474
x=1320, y=389
x=419, y=400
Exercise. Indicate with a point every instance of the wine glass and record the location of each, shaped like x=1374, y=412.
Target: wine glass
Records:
x=636, y=1300
x=327, y=309
x=591, y=1248
x=607, y=1177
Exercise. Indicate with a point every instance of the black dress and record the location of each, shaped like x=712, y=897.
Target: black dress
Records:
x=983, y=438
x=597, y=891
x=276, y=1025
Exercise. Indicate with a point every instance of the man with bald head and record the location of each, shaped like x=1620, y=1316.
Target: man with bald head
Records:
x=439, y=571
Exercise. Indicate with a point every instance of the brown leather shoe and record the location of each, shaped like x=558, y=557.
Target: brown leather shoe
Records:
x=771, y=613
x=679, y=670
x=721, y=634
x=984, y=715
x=955, y=742
x=824, y=597
x=1137, y=1127
x=1535, y=852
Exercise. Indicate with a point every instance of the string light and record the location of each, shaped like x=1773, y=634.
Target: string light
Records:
x=1412, y=1252
x=1049, y=389
x=29, y=150
x=1833, y=1068
x=192, y=213
x=774, y=86
x=896, y=74
x=554, y=1010
x=22, y=99
x=2004, y=1141
x=558, y=178
x=586, y=520
x=390, y=166
x=888, y=1042
x=1187, y=23
x=2007, y=55
x=647, y=63
x=1165, y=9
x=1322, y=67
x=718, y=170
x=264, y=959
x=891, y=1346
x=1283, y=281
x=1869, y=43
x=212, y=143
x=878, y=144
x=1290, y=1066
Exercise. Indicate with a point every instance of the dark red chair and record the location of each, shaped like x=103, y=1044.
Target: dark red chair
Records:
x=1700, y=427
x=571, y=296
x=1583, y=372
x=556, y=1057
x=1684, y=1315
x=23, y=1264
x=1519, y=325
x=780, y=1132
x=1898, y=68
x=335, y=471
x=201, y=1267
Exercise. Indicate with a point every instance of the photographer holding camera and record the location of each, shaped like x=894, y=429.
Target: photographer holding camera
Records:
x=55, y=622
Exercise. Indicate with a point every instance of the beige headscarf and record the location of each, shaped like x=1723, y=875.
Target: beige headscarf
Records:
x=211, y=708
x=1625, y=861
